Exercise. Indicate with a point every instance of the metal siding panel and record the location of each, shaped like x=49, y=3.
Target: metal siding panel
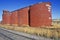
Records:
x=39, y=15
x=23, y=16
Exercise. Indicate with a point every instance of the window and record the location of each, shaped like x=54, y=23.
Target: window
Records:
x=49, y=10
x=49, y=17
x=48, y=5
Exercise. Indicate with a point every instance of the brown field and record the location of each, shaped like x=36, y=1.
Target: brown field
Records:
x=52, y=31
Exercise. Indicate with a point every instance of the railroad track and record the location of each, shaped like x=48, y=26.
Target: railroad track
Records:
x=4, y=37
x=13, y=35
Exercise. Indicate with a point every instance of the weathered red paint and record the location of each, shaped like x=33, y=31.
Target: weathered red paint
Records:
x=23, y=16
x=6, y=17
x=39, y=15
x=36, y=15
x=14, y=18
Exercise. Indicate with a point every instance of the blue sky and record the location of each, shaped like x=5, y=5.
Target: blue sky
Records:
x=12, y=5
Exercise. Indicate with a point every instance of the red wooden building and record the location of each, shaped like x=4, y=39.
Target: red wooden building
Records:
x=6, y=17
x=23, y=16
x=40, y=14
x=35, y=15
x=14, y=18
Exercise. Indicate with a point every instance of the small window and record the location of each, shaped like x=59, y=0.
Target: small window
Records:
x=49, y=10
x=49, y=17
x=47, y=5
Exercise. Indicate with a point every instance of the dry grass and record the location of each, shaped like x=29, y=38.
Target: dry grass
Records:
x=47, y=32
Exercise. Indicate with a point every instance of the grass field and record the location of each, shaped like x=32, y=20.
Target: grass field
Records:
x=50, y=32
